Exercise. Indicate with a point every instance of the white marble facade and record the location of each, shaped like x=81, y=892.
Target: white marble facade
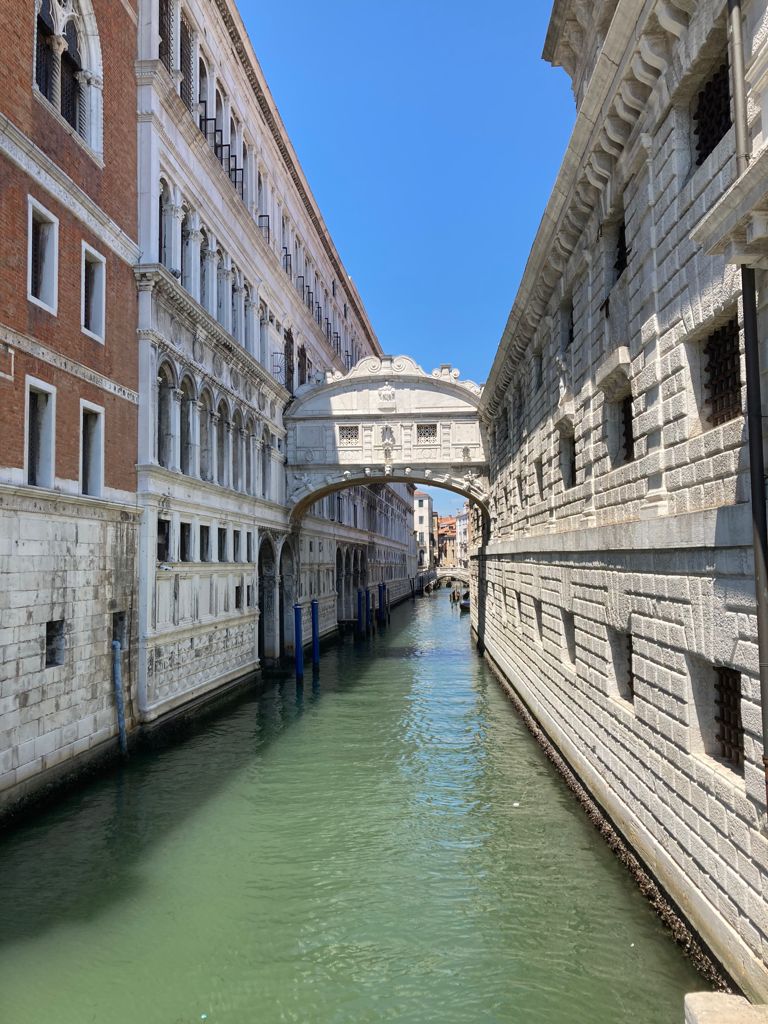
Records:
x=243, y=299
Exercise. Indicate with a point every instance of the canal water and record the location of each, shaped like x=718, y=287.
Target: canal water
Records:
x=387, y=846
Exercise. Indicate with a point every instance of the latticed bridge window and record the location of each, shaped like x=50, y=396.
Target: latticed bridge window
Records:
x=426, y=433
x=730, y=733
x=712, y=112
x=722, y=374
x=349, y=437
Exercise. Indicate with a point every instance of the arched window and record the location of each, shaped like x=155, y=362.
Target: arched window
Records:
x=202, y=95
x=185, y=268
x=259, y=193
x=206, y=437
x=165, y=385
x=237, y=295
x=247, y=319
x=68, y=70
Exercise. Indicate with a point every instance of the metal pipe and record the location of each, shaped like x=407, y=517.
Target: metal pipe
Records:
x=754, y=399
x=117, y=682
x=298, y=646
x=315, y=609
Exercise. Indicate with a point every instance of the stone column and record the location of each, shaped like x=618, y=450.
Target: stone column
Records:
x=175, y=447
x=208, y=291
x=174, y=216
x=215, y=427
x=58, y=45
x=194, y=438
x=224, y=295
x=249, y=325
x=227, y=476
x=192, y=239
x=237, y=314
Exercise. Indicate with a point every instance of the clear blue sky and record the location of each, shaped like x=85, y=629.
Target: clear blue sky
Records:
x=431, y=133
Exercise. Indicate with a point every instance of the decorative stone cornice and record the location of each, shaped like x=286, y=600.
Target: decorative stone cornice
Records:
x=635, y=55
x=247, y=57
x=199, y=321
x=22, y=152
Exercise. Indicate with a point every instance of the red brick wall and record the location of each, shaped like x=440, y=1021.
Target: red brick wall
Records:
x=114, y=189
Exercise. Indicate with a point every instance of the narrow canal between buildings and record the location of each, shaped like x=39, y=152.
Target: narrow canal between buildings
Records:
x=390, y=845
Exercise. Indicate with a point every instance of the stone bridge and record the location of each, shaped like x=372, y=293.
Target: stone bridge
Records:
x=386, y=420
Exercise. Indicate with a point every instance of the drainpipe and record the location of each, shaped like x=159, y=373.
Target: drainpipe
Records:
x=754, y=401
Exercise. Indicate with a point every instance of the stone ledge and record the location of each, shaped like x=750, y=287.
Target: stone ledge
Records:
x=724, y=527
x=719, y=1008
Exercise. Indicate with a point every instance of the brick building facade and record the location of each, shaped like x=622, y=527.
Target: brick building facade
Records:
x=68, y=380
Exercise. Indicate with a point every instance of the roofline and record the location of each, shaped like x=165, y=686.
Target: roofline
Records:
x=243, y=46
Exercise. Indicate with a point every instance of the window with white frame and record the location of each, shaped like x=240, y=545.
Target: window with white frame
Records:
x=40, y=433
x=42, y=256
x=68, y=65
x=91, y=449
x=93, y=293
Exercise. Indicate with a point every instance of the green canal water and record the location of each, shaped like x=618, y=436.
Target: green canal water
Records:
x=390, y=845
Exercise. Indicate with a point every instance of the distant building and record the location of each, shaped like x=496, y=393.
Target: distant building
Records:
x=422, y=527
x=446, y=541
x=462, y=537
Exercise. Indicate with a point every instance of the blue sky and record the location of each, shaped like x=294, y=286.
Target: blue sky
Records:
x=431, y=133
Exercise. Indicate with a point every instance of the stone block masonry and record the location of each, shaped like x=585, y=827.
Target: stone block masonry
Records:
x=67, y=589
x=616, y=593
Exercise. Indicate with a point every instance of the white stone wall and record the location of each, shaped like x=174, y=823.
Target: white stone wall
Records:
x=657, y=549
x=70, y=559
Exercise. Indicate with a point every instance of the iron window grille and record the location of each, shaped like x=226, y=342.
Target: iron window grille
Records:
x=44, y=59
x=36, y=269
x=712, y=113
x=165, y=52
x=723, y=374
x=185, y=48
x=263, y=225
x=337, y=342
x=349, y=437
x=310, y=299
x=287, y=262
x=622, y=252
x=300, y=285
x=426, y=433
x=319, y=313
x=730, y=733
x=627, y=436
x=630, y=669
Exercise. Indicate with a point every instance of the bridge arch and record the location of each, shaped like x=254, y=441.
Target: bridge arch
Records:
x=384, y=421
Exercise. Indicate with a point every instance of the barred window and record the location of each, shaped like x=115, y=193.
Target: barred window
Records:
x=712, y=112
x=44, y=54
x=426, y=433
x=722, y=374
x=730, y=732
x=186, y=61
x=165, y=52
x=67, y=51
x=349, y=437
x=622, y=253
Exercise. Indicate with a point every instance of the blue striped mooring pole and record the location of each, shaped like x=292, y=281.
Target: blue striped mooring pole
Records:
x=117, y=679
x=297, y=641
x=315, y=633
